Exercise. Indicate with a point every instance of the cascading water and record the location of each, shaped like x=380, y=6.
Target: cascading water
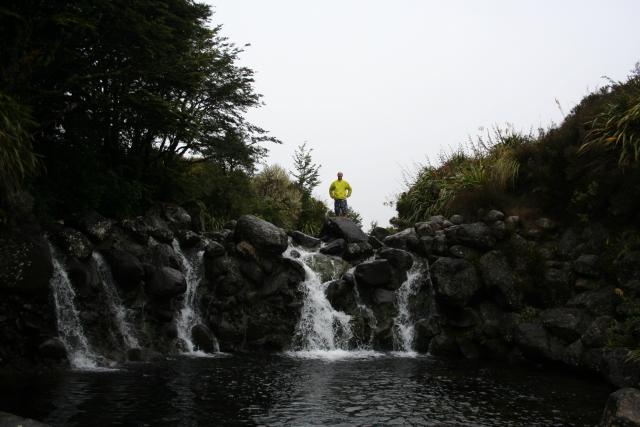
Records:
x=189, y=315
x=321, y=327
x=403, y=329
x=120, y=313
x=68, y=321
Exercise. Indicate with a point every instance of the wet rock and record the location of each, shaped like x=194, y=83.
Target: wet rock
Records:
x=343, y=228
x=327, y=267
x=163, y=235
x=213, y=250
x=94, y=225
x=73, y=242
x=166, y=282
x=493, y=216
x=569, y=244
x=427, y=228
x=497, y=274
x=618, y=368
x=340, y=295
x=164, y=255
x=83, y=276
x=406, y=239
x=357, y=251
x=476, y=235
x=546, y=224
x=203, y=339
x=512, y=223
x=598, y=302
x=375, y=243
x=375, y=274
x=305, y=240
x=425, y=330
x=463, y=318
x=335, y=247
x=53, y=348
x=587, y=265
x=599, y=332
x=263, y=235
x=628, y=267
x=380, y=233
x=177, y=216
x=127, y=270
x=10, y=420
x=455, y=280
x=444, y=344
x=622, y=409
x=535, y=341
x=399, y=259
x=384, y=296
x=456, y=219
x=566, y=323
x=135, y=355
x=464, y=252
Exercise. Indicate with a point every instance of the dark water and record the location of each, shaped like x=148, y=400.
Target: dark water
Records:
x=284, y=390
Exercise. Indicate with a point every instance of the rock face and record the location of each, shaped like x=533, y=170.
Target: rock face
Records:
x=343, y=228
x=622, y=409
x=455, y=280
x=263, y=235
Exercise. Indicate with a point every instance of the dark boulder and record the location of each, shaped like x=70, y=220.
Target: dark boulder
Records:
x=498, y=274
x=464, y=252
x=628, y=267
x=93, y=224
x=599, y=332
x=383, y=296
x=455, y=280
x=444, y=344
x=189, y=239
x=376, y=274
x=622, y=409
x=262, y=235
x=10, y=420
x=493, y=216
x=618, y=368
x=399, y=259
x=477, y=235
x=166, y=282
x=587, y=265
x=427, y=228
x=127, y=270
x=380, y=233
x=203, y=339
x=456, y=219
x=26, y=264
x=53, y=348
x=598, y=302
x=72, y=242
x=213, y=250
x=357, y=251
x=163, y=255
x=425, y=330
x=406, y=239
x=343, y=228
x=163, y=235
x=566, y=323
x=340, y=295
x=535, y=341
x=335, y=247
x=177, y=216
x=305, y=240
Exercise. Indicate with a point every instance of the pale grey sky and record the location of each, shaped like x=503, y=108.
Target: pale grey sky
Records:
x=376, y=86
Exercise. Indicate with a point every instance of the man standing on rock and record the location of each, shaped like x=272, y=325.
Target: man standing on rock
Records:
x=339, y=191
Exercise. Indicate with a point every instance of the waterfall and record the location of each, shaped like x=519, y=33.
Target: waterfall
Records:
x=371, y=316
x=68, y=321
x=321, y=327
x=403, y=328
x=189, y=315
x=113, y=300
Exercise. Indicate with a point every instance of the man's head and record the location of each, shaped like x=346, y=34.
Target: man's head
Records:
x=339, y=175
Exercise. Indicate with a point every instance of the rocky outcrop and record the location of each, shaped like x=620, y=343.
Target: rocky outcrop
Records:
x=622, y=409
x=262, y=235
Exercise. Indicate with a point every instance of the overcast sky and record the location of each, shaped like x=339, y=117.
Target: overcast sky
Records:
x=375, y=87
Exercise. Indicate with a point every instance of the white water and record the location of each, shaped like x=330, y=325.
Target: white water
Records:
x=321, y=327
x=120, y=313
x=403, y=328
x=189, y=315
x=70, y=328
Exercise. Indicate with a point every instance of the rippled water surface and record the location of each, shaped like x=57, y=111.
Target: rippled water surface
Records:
x=336, y=388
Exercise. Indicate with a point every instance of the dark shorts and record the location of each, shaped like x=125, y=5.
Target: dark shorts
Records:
x=340, y=206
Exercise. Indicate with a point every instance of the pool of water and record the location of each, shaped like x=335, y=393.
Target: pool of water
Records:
x=335, y=388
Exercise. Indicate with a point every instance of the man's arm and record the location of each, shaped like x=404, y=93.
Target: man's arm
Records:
x=348, y=188
x=332, y=188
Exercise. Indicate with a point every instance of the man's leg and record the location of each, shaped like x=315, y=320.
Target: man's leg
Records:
x=336, y=207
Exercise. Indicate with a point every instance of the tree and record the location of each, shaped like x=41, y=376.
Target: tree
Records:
x=306, y=172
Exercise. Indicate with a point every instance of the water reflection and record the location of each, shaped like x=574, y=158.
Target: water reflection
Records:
x=298, y=390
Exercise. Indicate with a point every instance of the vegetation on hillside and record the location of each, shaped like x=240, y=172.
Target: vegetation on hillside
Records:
x=114, y=105
x=587, y=168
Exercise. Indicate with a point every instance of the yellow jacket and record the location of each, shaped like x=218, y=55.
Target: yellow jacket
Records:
x=340, y=189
